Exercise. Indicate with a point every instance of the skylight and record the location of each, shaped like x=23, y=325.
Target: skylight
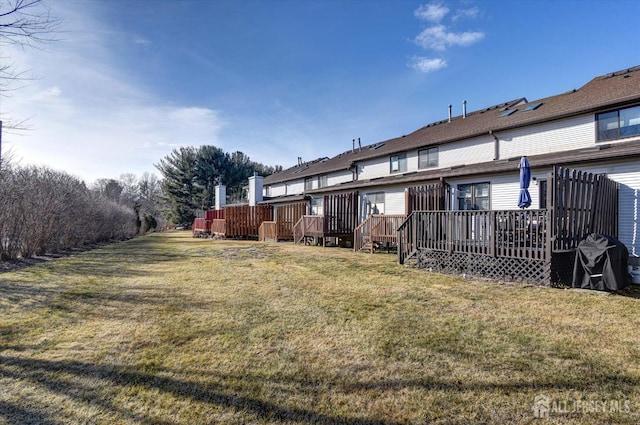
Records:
x=532, y=106
x=508, y=112
x=376, y=146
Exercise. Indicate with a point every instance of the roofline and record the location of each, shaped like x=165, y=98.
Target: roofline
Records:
x=600, y=153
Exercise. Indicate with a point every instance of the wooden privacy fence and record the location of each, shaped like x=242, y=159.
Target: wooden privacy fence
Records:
x=581, y=203
x=286, y=216
x=243, y=221
x=428, y=197
x=340, y=214
x=377, y=228
x=214, y=214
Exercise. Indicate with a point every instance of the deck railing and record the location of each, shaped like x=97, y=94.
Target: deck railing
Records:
x=377, y=228
x=519, y=234
x=219, y=227
x=308, y=226
x=268, y=231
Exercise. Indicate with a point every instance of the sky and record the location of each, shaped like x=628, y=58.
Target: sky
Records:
x=128, y=81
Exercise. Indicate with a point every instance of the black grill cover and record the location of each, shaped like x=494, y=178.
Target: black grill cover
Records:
x=601, y=264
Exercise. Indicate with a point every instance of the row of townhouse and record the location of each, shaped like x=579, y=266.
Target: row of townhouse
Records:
x=595, y=128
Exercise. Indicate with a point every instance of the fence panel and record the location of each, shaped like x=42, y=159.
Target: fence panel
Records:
x=341, y=214
x=286, y=216
x=582, y=203
x=243, y=221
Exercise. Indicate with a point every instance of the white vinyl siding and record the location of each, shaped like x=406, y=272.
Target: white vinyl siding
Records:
x=278, y=189
x=574, y=133
x=505, y=191
x=339, y=177
x=471, y=151
x=373, y=168
x=628, y=176
x=394, y=201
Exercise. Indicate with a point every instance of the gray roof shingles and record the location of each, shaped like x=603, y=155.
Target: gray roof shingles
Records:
x=606, y=91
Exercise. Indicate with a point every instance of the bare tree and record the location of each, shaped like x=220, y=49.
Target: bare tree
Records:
x=23, y=23
x=26, y=22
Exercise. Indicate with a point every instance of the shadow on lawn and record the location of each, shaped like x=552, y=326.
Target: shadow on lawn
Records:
x=72, y=379
x=82, y=276
x=21, y=416
x=43, y=373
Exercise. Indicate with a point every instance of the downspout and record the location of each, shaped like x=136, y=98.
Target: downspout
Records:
x=496, y=146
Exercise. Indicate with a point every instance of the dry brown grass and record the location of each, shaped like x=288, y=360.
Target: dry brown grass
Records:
x=167, y=329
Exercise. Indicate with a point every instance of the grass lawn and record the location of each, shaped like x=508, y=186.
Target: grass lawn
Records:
x=166, y=329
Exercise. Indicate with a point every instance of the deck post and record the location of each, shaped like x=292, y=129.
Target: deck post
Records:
x=492, y=233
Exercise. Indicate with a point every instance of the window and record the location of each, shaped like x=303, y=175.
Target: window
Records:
x=322, y=181
x=317, y=206
x=267, y=190
x=398, y=163
x=542, y=187
x=375, y=203
x=308, y=183
x=473, y=196
x=428, y=158
x=620, y=123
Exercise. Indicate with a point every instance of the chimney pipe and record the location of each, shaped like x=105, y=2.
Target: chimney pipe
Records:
x=464, y=109
x=299, y=160
x=353, y=145
x=450, y=106
x=359, y=145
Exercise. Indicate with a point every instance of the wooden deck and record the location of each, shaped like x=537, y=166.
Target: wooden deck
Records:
x=339, y=220
x=268, y=231
x=219, y=227
x=285, y=217
x=537, y=246
x=309, y=226
x=377, y=229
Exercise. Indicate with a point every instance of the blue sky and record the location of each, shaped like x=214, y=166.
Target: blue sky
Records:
x=131, y=80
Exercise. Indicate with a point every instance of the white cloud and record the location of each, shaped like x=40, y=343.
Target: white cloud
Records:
x=142, y=41
x=471, y=13
x=86, y=115
x=432, y=12
x=426, y=65
x=438, y=38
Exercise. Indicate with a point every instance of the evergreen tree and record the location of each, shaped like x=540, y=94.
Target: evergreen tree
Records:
x=190, y=176
x=179, y=184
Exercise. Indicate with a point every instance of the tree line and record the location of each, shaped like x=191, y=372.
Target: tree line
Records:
x=190, y=175
x=44, y=211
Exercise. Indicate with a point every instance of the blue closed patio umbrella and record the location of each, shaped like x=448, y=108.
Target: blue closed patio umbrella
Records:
x=524, y=200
